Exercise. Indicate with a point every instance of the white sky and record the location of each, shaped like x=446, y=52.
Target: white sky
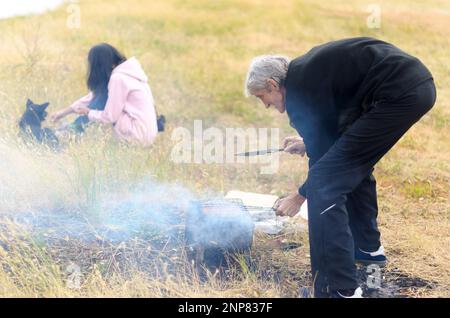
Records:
x=10, y=8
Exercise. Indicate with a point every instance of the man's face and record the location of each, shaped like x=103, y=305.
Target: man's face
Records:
x=273, y=95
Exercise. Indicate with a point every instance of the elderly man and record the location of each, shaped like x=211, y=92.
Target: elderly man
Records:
x=350, y=100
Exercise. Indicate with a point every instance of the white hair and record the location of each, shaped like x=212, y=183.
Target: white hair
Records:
x=263, y=68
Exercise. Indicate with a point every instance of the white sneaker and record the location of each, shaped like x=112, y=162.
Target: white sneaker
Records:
x=357, y=294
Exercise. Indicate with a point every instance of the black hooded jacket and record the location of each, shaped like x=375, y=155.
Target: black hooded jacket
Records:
x=332, y=85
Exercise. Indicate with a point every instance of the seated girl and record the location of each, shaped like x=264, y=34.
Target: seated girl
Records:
x=124, y=86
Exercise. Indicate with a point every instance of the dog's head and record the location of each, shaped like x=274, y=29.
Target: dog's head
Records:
x=38, y=110
x=34, y=114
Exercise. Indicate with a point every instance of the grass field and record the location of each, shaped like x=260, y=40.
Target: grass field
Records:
x=196, y=54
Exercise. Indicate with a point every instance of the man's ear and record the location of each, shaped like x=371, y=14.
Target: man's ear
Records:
x=272, y=84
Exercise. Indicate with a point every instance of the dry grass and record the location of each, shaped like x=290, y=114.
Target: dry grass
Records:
x=196, y=54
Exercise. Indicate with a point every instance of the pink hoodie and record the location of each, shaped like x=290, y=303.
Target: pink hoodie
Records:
x=130, y=106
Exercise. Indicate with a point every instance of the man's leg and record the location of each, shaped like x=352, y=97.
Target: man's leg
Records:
x=330, y=232
x=362, y=210
x=341, y=170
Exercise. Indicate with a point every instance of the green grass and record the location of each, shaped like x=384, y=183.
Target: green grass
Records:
x=418, y=189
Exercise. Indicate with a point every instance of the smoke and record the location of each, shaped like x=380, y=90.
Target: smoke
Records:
x=31, y=178
x=219, y=223
x=167, y=211
x=152, y=211
x=38, y=192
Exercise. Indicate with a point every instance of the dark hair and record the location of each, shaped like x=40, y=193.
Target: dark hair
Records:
x=102, y=58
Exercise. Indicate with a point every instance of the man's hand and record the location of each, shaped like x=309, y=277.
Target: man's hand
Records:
x=290, y=205
x=294, y=145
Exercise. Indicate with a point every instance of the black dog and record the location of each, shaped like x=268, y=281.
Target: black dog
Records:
x=30, y=125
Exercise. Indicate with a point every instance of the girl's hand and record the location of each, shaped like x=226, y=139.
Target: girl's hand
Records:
x=81, y=110
x=57, y=116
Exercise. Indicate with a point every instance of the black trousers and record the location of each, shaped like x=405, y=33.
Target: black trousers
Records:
x=362, y=209
x=341, y=191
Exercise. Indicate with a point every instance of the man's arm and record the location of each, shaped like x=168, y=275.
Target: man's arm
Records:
x=318, y=142
x=302, y=190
